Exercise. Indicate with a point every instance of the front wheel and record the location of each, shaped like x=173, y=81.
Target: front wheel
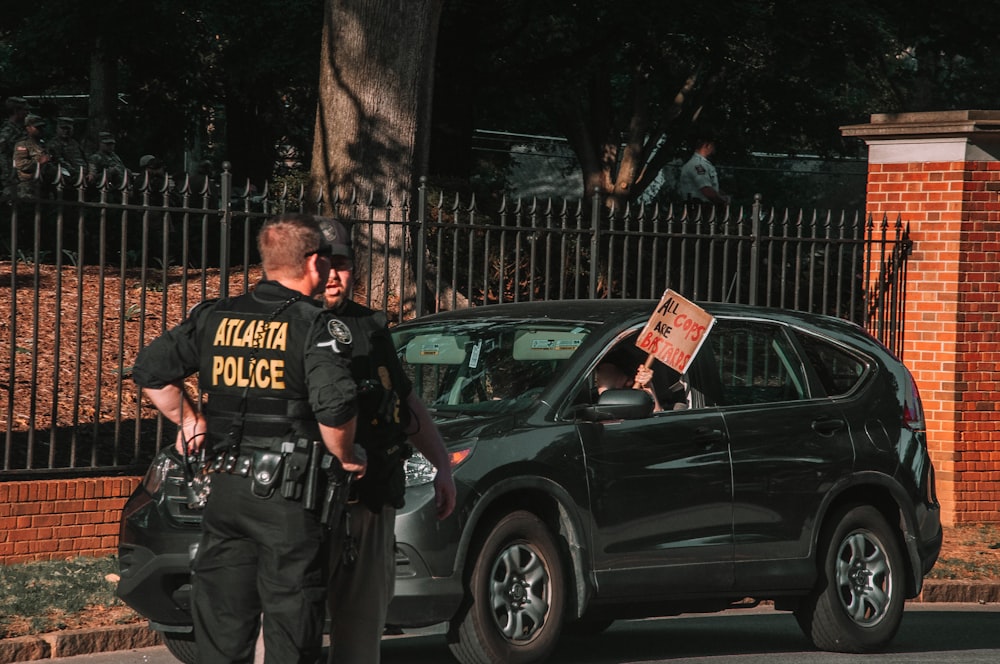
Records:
x=857, y=604
x=515, y=596
x=181, y=645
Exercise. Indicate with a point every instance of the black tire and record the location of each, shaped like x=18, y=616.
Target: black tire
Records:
x=515, y=596
x=181, y=645
x=857, y=604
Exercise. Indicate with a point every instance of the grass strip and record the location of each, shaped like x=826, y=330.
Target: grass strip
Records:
x=46, y=596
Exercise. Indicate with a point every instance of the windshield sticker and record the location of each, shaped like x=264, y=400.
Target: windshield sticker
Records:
x=474, y=355
x=554, y=344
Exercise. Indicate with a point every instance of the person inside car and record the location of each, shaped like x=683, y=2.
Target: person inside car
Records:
x=618, y=372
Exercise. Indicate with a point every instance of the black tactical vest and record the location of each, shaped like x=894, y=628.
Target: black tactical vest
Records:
x=252, y=371
x=382, y=412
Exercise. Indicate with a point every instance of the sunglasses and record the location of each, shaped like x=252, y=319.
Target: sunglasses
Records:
x=342, y=263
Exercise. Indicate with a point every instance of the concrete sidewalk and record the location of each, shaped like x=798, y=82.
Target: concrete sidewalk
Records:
x=125, y=637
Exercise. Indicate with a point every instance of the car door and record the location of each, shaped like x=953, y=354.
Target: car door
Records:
x=661, y=502
x=789, y=446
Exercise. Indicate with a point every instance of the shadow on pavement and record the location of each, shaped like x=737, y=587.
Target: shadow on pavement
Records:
x=665, y=639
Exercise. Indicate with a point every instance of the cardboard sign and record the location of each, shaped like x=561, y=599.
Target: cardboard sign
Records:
x=675, y=331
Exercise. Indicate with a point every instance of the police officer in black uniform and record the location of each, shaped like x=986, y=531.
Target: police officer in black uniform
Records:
x=389, y=414
x=274, y=364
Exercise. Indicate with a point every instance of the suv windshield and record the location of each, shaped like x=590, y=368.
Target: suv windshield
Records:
x=485, y=366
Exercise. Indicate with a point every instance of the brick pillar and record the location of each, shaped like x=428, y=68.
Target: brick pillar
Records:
x=940, y=173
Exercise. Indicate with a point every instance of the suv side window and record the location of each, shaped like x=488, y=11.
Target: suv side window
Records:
x=669, y=387
x=838, y=370
x=756, y=363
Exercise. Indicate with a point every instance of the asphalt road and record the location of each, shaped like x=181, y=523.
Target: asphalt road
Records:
x=938, y=633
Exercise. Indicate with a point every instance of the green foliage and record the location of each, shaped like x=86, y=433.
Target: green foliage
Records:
x=28, y=257
x=232, y=80
x=779, y=76
x=215, y=78
x=132, y=312
x=43, y=594
x=288, y=188
x=72, y=257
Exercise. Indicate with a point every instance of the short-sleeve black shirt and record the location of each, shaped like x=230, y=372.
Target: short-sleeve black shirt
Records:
x=302, y=354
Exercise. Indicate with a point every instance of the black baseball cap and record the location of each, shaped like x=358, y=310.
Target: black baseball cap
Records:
x=337, y=236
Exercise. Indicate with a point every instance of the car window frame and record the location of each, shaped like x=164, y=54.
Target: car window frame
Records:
x=870, y=364
x=803, y=379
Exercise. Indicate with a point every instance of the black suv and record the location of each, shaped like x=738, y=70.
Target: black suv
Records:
x=789, y=463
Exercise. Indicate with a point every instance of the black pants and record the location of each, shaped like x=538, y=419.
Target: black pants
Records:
x=257, y=556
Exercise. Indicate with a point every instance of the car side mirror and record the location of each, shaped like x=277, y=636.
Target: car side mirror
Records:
x=619, y=405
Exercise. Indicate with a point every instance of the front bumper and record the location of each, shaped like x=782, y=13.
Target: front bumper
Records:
x=421, y=599
x=154, y=560
x=429, y=585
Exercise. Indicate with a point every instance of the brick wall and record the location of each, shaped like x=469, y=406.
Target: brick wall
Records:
x=952, y=333
x=953, y=319
x=54, y=519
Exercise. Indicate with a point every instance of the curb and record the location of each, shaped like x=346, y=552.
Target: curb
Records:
x=77, y=642
x=968, y=592
x=126, y=637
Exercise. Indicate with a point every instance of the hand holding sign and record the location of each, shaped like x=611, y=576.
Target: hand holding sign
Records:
x=675, y=331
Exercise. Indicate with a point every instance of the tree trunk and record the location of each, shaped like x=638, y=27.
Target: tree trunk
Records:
x=103, y=90
x=373, y=120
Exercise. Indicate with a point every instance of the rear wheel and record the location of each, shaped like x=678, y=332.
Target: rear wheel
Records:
x=857, y=604
x=181, y=645
x=515, y=596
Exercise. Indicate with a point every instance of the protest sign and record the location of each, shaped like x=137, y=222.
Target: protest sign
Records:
x=675, y=331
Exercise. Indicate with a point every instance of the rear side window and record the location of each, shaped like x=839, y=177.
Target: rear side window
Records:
x=839, y=371
x=756, y=363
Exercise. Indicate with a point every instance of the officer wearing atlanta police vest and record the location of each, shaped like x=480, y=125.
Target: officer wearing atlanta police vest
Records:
x=274, y=364
x=363, y=563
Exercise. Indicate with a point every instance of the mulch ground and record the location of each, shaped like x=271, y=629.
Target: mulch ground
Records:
x=73, y=346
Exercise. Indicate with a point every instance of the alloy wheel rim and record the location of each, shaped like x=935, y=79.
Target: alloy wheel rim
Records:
x=519, y=592
x=864, y=578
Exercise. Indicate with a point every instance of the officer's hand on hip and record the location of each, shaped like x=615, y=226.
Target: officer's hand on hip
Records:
x=191, y=435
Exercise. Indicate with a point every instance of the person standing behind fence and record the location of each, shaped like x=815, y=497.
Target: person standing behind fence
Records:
x=31, y=159
x=274, y=366
x=161, y=186
x=11, y=132
x=67, y=150
x=106, y=160
x=152, y=179
x=699, y=181
x=362, y=553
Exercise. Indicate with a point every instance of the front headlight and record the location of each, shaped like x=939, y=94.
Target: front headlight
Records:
x=420, y=471
x=164, y=466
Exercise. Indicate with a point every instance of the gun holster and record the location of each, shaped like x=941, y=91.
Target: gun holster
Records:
x=295, y=468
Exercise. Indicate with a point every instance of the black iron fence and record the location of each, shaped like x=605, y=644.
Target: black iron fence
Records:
x=90, y=273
